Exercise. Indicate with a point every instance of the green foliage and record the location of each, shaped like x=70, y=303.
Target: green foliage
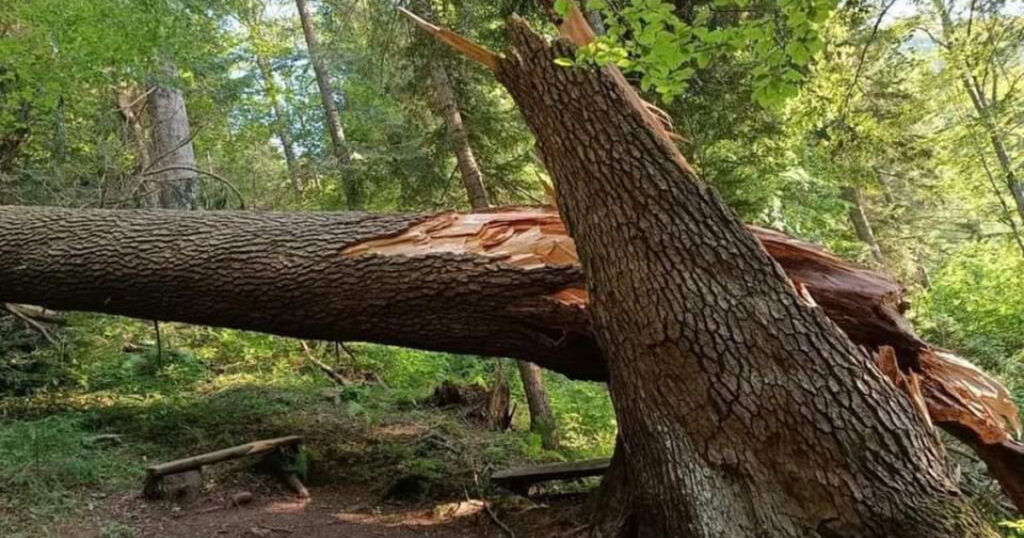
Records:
x=976, y=305
x=667, y=48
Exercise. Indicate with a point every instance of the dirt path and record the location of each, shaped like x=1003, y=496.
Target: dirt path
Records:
x=331, y=511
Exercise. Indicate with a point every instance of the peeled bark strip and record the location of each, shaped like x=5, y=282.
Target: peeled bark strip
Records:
x=504, y=283
x=742, y=409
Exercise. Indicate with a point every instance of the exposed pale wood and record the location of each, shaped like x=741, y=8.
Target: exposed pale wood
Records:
x=39, y=313
x=460, y=44
x=195, y=462
x=292, y=481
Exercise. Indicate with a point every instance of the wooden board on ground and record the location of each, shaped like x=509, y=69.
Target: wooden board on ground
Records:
x=520, y=479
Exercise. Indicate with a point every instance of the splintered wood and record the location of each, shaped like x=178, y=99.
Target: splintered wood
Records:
x=865, y=304
x=529, y=238
x=958, y=392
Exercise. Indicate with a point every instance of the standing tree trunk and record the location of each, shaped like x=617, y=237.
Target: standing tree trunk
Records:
x=542, y=419
x=354, y=195
x=743, y=410
x=171, y=142
x=861, y=224
x=281, y=125
x=469, y=168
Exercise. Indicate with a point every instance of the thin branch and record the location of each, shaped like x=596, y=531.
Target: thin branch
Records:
x=130, y=105
x=323, y=367
x=931, y=36
x=32, y=323
x=180, y=145
x=222, y=179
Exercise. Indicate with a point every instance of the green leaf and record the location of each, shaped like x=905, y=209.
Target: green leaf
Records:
x=564, y=62
x=562, y=7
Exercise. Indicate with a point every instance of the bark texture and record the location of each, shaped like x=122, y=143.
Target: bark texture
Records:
x=743, y=410
x=354, y=195
x=287, y=275
x=171, y=140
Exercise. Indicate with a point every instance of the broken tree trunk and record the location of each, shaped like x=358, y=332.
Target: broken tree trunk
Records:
x=504, y=284
x=172, y=154
x=742, y=409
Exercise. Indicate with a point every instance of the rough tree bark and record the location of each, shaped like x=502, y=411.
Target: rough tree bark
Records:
x=504, y=283
x=171, y=141
x=542, y=419
x=743, y=410
x=354, y=195
x=861, y=224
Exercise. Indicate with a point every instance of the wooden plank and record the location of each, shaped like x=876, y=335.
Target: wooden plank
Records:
x=194, y=462
x=551, y=471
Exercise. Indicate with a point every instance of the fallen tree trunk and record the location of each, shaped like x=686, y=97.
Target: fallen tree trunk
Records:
x=504, y=283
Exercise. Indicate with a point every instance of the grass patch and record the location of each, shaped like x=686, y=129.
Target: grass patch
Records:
x=51, y=465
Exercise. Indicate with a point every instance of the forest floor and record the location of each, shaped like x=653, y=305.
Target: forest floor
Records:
x=382, y=461
x=355, y=511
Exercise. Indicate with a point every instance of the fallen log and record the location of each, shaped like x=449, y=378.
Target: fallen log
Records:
x=504, y=283
x=235, y=452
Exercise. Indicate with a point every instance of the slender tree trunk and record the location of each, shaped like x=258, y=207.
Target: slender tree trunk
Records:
x=126, y=103
x=542, y=419
x=861, y=224
x=469, y=168
x=171, y=142
x=739, y=410
x=281, y=125
x=353, y=189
